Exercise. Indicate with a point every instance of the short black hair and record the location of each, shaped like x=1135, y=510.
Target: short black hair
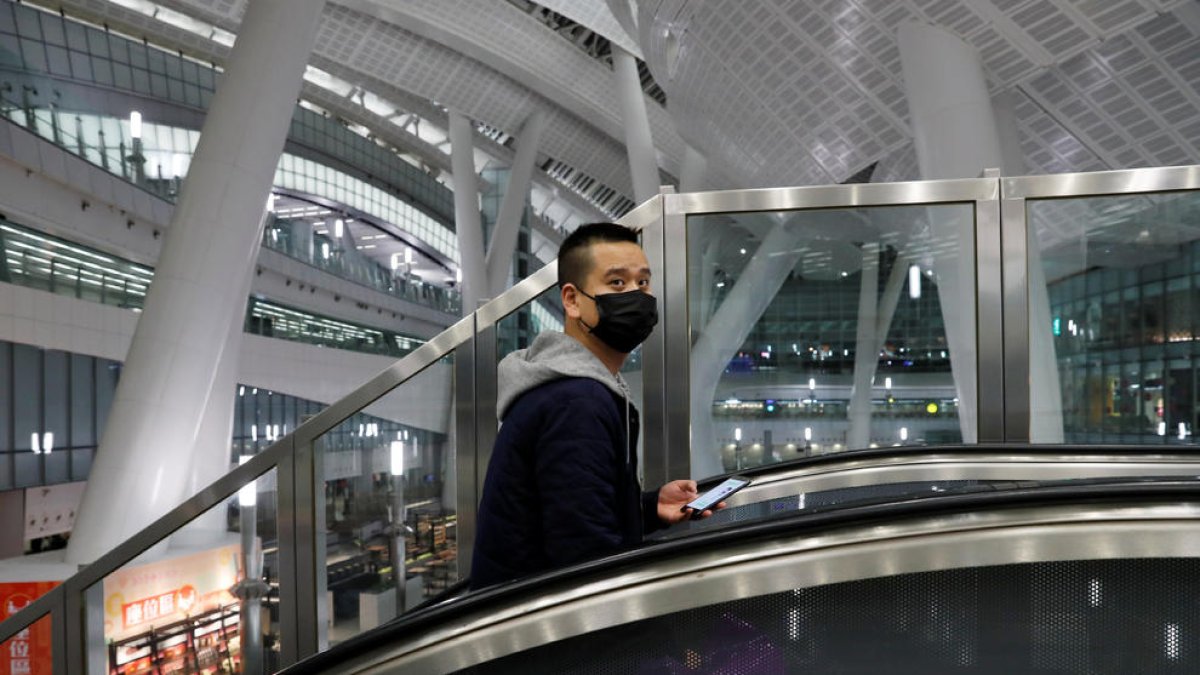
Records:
x=574, y=256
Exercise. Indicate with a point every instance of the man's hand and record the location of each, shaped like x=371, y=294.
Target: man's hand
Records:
x=673, y=496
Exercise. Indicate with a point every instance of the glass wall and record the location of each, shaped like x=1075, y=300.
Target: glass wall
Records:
x=1122, y=280
x=36, y=43
x=821, y=331
x=370, y=178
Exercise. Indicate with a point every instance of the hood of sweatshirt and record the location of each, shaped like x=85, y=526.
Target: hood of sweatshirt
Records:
x=552, y=356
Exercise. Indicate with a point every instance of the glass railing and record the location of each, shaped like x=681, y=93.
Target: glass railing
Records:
x=327, y=255
x=329, y=571
x=274, y=320
x=47, y=263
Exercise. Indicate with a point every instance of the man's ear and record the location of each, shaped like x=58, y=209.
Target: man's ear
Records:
x=570, y=301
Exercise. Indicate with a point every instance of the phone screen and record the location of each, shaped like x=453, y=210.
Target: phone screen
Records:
x=716, y=495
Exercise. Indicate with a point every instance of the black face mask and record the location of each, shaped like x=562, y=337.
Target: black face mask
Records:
x=626, y=319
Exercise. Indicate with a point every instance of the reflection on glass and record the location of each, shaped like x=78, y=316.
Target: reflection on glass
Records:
x=389, y=498
x=517, y=330
x=822, y=331
x=1114, y=300
x=207, y=601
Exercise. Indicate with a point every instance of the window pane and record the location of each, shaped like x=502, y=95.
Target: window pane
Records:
x=83, y=403
x=54, y=398
x=27, y=399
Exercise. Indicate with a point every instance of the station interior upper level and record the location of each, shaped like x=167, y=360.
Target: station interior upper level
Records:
x=927, y=272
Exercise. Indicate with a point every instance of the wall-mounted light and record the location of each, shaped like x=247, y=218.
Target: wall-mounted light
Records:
x=914, y=282
x=248, y=494
x=397, y=458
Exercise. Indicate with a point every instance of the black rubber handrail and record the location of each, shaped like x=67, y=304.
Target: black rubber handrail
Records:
x=964, y=450
x=1081, y=493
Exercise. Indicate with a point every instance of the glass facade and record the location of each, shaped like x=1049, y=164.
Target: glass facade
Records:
x=54, y=405
x=369, y=178
x=34, y=42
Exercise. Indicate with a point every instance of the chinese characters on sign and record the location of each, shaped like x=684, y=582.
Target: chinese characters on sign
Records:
x=148, y=610
x=27, y=652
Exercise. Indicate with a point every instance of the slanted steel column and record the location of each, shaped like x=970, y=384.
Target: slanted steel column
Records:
x=466, y=213
x=209, y=252
x=508, y=220
x=639, y=145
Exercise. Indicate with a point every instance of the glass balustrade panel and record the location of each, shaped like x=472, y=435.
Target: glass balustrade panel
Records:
x=815, y=332
x=389, y=495
x=206, y=600
x=1114, y=319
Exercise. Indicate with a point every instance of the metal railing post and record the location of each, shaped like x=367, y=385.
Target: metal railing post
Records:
x=655, y=460
x=989, y=315
x=465, y=452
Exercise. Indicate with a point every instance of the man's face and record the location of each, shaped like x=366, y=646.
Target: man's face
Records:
x=617, y=267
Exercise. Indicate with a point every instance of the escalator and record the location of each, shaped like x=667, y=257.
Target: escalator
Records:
x=965, y=575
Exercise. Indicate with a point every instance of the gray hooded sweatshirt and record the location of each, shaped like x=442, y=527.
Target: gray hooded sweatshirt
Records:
x=552, y=356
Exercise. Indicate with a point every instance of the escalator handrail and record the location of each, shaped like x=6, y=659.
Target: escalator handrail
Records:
x=420, y=621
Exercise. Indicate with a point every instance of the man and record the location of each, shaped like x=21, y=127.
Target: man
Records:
x=562, y=484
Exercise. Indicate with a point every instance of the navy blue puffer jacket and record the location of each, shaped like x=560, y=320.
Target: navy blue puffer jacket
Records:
x=561, y=485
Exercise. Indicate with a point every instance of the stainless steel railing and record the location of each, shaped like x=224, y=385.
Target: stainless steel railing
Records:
x=1000, y=249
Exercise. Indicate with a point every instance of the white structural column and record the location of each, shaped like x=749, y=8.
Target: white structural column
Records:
x=466, y=212
x=727, y=330
x=639, y=145
x=508, y=220
x=872, y=334
x=140, y=470
x=865, y=361
x=694, y=171
x=955, y=133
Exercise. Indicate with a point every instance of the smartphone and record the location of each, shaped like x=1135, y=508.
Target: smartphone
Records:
x=717, y=495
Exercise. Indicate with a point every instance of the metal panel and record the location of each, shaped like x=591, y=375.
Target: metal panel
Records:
x=677, y=336
x=989, y=320
x=309, y=519
x=942, y=542
x=833, y=196
x=1014, y=246
x=1103, y=183
x=465, y=455
x=289, y=589
x=486, y=393
x=58, y=636
x=654, y=354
